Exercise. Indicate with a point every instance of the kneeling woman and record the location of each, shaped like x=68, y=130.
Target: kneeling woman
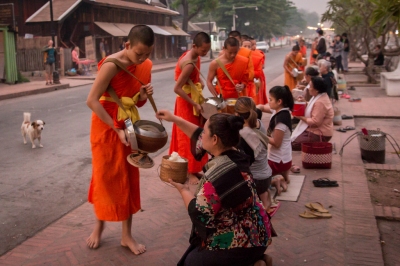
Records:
x=230, y=225
x=318, y=118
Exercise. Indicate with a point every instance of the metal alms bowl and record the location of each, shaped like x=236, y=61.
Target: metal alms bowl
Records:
x=212, y=105
x=150, y=135
x=295, y=72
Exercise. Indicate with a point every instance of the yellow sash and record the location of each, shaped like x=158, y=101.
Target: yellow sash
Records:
x=129, y=105
x=196, y=93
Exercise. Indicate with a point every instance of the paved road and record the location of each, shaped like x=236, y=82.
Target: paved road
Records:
x=38, y=186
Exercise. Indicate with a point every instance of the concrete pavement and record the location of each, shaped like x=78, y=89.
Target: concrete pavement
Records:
x=350, y=237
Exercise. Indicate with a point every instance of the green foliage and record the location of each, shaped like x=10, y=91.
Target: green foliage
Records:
x=385, y=12
x=21, y=78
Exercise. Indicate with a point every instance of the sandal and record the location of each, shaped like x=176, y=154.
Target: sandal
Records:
x=345, y=96
x=321, y=215
x=316, y=206
x=272, y=210
x=344, y=117
x=341, y=129
x=325, y=182
x=349, y=128
x=355, y=100
x=308, y=215
x=295, y=169
x=351, y=88
x=47, y=83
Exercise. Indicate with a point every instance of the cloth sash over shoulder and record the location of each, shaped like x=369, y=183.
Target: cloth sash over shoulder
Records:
x=194, y=89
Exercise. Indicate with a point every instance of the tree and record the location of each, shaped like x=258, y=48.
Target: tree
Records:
x=356, y=18
x=191, y=8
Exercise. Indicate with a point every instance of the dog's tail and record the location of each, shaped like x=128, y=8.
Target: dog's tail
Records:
x=27, y=117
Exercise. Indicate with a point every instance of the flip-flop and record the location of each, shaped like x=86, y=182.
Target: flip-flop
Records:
x=341, y=129
x=349, y=128
x=321, y=215
x=273, y=210
x=345, y=96
x=351, y=88
x=316, y=206
x=355, y=100
x=325, y=182
x=295, y=169
x=308, y=215
x=347, y=117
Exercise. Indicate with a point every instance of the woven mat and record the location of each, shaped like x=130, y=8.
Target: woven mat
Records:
x=294, y=189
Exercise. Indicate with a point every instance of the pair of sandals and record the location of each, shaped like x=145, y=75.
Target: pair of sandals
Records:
x=355, y=100
x=345, y=129
x=345, y=96
x=49, y=83
x=325, y=182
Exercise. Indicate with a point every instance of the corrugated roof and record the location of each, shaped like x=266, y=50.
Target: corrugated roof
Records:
x=61, y=8
x=191, y=26
x=123, y=29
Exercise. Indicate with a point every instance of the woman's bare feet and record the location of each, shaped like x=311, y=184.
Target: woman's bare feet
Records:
x=129, y=242
x=193, y=179
x=284, y=185
x=93, y=241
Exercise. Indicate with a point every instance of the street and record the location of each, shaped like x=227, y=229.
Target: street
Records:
x=38, y=186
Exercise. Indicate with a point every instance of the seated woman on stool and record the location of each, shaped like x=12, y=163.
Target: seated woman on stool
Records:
x=318, y=118
x=229, y=223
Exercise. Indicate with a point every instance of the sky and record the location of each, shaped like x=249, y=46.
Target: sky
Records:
x=318, y=6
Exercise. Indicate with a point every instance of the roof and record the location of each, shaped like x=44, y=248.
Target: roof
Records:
x=191, y=26
x=122, y=29
x=62, y=8
x=205, y=26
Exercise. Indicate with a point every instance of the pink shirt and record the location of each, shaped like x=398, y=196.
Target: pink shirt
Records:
x=75, y=57
x=321, y=119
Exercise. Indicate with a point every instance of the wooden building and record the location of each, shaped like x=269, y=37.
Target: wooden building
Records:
x=110, y=20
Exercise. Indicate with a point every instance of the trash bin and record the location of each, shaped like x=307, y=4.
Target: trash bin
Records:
x=372, y=146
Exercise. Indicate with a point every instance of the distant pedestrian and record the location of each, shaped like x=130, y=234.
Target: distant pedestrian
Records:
x=106, y=48
x=337, y=50
x=345, y=54
x=75, y=57
x=102, y=49
x=321, y=46
x=49, y=60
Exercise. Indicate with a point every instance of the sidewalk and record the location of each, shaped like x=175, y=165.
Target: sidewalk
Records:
x=350, y=237
x=38, y=86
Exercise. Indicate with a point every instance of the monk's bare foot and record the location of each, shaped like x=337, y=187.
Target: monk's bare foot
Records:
x=93, y=241
x=135, y=247
x=193, y=179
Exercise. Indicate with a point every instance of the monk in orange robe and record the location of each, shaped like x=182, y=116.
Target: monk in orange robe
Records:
x=188, y=100
x=237, y=68
x=259, y=74
x=257, y=58
x=303, y=52
x=246, y=52
x=292, y=60
x=114, y=189
x=313, y=51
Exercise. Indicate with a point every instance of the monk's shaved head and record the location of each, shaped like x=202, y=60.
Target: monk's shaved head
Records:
x=201, y=38
x=231, y=41
x=234, y=33
x=141, y=34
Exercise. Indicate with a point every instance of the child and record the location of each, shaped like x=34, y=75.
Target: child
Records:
x=279, y=132
x=251, y=144
x=114, y=189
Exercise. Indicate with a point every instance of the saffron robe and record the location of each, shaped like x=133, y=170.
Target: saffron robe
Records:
x=290, y=81
x=238, y=70
x=250, y=88
x=180, y=143
x=114, y=189
x=258, y=63
x=303, y=52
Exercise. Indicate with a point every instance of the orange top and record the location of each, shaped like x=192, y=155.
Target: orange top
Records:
x=303, y=51
x=238, y=70
x=127, y=86
x=258, y=62
x=247, y=53
x=195, y=76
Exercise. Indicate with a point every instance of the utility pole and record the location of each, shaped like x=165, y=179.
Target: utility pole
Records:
x=209, y=26
x=56, y=77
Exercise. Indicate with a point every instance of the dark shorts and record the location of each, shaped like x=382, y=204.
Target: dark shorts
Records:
x=229, y=257
x=262, y=185
x=278, y=168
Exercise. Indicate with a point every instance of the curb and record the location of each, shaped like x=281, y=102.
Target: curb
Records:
x=387, y=213
x=36, y=91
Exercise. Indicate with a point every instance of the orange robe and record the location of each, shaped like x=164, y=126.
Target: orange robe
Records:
x=290, y=81
x=238, y=70
x=250, y=88
x=180, y=143
x=258, y=63
x=312, y=59
x=303, y=52
x=114, y=189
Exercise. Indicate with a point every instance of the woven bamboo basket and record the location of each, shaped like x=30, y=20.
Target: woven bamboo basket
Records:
x=177, y=171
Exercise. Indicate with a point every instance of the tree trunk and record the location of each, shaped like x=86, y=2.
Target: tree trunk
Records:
x=185, y=19
x=369, y=71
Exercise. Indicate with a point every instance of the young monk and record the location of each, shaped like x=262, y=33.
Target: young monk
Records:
x=188, y=100
x=236, y=66
x=251, y=86
x=259, y=73
x=250, y=89
x=292, y=60
x=114, y=189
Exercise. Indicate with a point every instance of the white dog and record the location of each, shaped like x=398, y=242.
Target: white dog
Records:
x=33, y=130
